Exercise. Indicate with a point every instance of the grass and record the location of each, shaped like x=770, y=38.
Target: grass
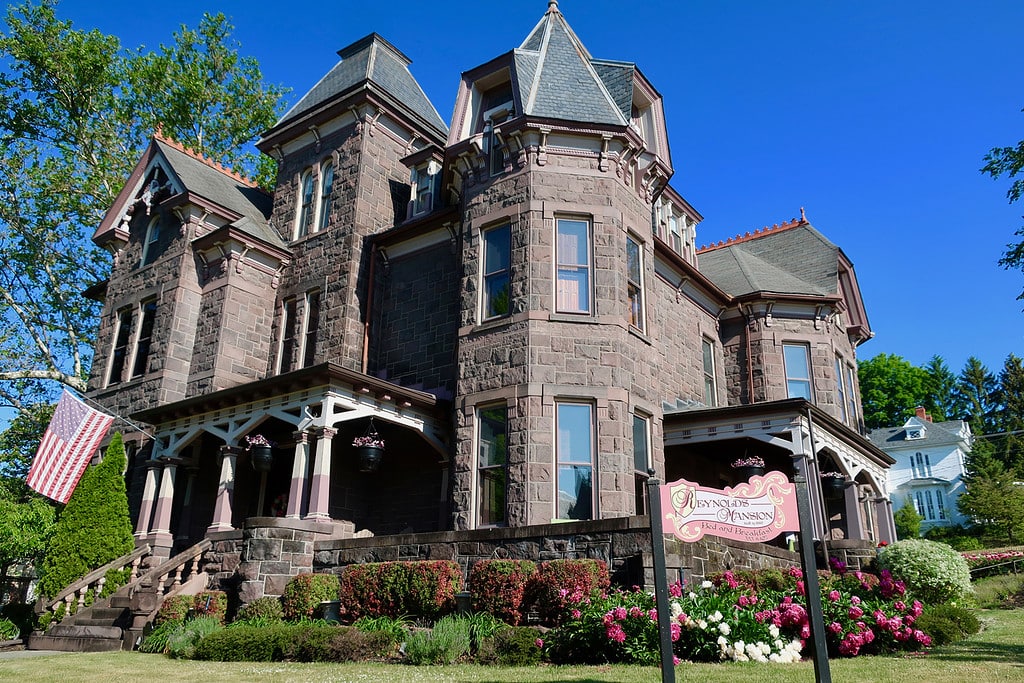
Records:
x=995, y=654
x=993, y=592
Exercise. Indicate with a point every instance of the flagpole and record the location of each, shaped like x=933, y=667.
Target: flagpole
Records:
x=103, y=409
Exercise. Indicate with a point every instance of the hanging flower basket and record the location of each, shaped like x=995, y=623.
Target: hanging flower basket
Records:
x=745, y=468
x=369, y=450
x=261, y=453
x=833, y=484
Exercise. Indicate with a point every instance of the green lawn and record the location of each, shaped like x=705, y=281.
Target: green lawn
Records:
x=995, y=654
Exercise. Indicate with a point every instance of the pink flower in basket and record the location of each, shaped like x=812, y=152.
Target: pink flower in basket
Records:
x=372, y=440
x=752, y=461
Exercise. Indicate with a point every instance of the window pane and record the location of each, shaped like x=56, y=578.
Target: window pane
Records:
x=840, y=393
x=798, y=373
x=496, y=249
x=145, y=338
x=312, y=327
x=326, y=188
x=497, y=257
x=575, y=432
x=575, y=492
x=641, y=461
x=492, y=436
x=573, y=245
x=491, y=461
x=573, y=290
x=633, y=260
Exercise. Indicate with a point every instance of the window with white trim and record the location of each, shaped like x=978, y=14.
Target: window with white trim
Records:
x=289, y=334
x=641, y=460
x=574, y=459
x=326, y=194
x=425, y=180
x=921, y=465
x=851, y=394
x=708, y=360
x=144, y=342
x=929, y=504
x=304, y=213
x=572, y=255
x=840, y=391
x=492, y=464
x=311, y=326
x=496, y=252
x=122, y=341
x=635, y=282
x=797, y=359
x=150, y=246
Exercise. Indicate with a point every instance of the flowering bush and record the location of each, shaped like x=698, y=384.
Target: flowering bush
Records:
x=419, y=589
x=932, y=571
x=730, y=619
x=752, y=461
x=559, y=583
x=499, y=587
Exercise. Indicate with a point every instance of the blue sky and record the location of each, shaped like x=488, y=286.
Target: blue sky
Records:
x=873, y=115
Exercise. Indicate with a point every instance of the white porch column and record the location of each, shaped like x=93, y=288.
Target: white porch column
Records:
x=300, y=474
x=855, y=528
x=225, y=491
x=148, y=497
x=320, y=492
x=161, y=536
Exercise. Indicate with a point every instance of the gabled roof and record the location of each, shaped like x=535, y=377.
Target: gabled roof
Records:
x=558, y=79
x=947, y=433
x=792, y=258
x=370, y=59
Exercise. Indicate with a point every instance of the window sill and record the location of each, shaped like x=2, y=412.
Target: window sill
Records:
x=640, y=335
x=583, y=318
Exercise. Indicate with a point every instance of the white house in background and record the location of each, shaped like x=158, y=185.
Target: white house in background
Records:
x=929, y=469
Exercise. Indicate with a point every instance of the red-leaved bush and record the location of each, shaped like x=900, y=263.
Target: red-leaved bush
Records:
x=210, y=604
x=559, y=583
x=417, y=589
x=499, y=587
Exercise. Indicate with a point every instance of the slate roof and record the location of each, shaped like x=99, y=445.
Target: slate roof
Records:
x=370, y=59
x=559, y=79
x=223, y=187
x=935, y=434
x=792, y=258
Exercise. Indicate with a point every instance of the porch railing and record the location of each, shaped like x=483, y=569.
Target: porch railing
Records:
x=168, y=578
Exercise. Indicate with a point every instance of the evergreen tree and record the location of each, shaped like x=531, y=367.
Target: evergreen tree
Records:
x=974, y=396
x=94, y=527
x=992, y=499
x=1009, y=414
x=940, y=387
x=907, y=521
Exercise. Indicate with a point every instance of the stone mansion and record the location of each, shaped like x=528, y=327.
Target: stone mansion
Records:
x=513, y=303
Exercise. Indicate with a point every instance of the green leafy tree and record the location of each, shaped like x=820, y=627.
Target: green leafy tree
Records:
x=25, y=527
x=890, y=388
x=992, y=499
x=18, y=444
x=974, y=396
x=1009, y=161
x=94, y=527
x=940, y=388
x=907, y=521
x=75, y=114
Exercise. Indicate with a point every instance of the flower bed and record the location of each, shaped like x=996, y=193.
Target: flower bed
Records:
x=1003, y=558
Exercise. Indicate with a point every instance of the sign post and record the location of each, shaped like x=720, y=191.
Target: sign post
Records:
x=822, y=672
x=668, y=666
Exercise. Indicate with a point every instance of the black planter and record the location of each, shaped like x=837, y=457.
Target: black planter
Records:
x=262, y=457
x=745, y=473
x=368, y=458
x=833, y=487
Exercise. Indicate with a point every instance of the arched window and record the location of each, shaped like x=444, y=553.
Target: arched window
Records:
x=326, y=188
x=150, y=244
x=305, y=204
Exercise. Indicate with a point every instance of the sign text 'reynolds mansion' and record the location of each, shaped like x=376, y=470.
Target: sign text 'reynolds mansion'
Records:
x=756, y=511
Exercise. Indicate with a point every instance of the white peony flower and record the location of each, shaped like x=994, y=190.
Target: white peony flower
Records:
x=724, y=628
x=773, y=631
x=717, y=616
x=707, y=584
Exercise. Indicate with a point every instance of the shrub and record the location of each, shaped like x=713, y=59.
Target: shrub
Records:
x=948, y=623
x=182, y=641
x=419, y=589
x=174, y=608
x=156, y=641
x=907, y=521
x=8, y=630
x=210, y=604
x=21, y=614
x=94, y=528
x=933, y=572
x=518, y=646
x=267, y=608
x=304, y=593
x=245, y=644
x=499, y=587
x=561, y=582
x=396, y=629
x=449, y=640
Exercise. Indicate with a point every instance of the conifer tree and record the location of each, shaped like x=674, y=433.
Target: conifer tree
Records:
x=992, y=498
x=94, y=527
x=1009, y=414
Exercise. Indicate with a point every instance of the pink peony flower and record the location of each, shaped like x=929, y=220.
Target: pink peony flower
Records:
x=834, y=596
x=539, y=643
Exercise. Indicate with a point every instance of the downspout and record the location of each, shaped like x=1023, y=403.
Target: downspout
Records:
x=370, y=286
x=813, y=465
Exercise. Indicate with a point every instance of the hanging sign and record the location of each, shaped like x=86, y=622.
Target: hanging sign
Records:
x=756, y=511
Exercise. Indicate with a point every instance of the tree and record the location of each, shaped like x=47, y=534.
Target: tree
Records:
x=940, y=388
x=1009, y=161
x=75, y=115
x=907, y=521
x=974, y=396
x=992, y=499
x=890, y=389
x=94, y=527
x=1009, y=413
x=25, y=528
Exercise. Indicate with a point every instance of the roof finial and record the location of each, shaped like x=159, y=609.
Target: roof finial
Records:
x=552, y=6
x=803, y=216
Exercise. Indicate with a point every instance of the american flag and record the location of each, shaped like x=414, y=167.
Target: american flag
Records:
x=74, y=433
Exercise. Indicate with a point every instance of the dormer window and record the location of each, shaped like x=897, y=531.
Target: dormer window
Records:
x=150, y=248
x=915, y=433
x=305, y=213
x=496, y=107
x=425, y=182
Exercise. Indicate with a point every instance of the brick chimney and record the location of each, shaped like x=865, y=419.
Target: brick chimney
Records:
x=922, y=414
